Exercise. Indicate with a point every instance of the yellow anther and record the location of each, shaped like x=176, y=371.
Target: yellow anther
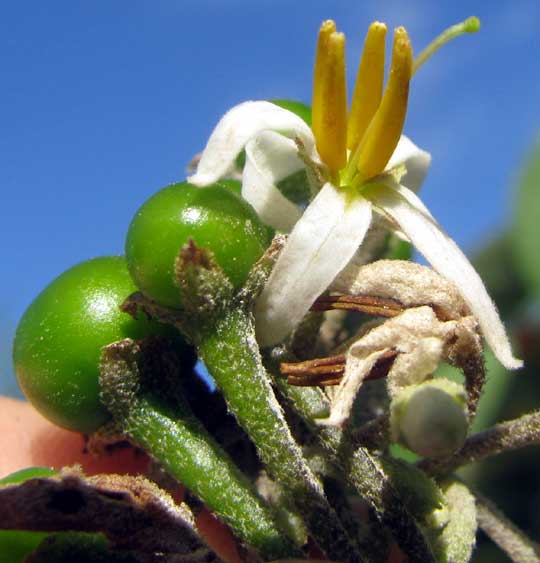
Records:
x=330, y=100
x=385, y=128
x=321, y=63
x=369, y=85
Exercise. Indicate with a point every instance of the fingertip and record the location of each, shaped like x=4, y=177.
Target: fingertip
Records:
x=27, y=439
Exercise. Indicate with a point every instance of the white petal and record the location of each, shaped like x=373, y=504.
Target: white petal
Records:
x=445, y=256
x=271, y=157
x=415, y=160
x=236, y=128
x=319, y=247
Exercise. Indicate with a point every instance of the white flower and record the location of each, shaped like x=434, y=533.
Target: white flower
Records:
x=370, y=169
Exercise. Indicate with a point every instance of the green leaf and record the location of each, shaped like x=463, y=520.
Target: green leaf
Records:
x=526, y=227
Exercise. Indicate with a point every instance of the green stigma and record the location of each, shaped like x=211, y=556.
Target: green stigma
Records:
x=470, y=25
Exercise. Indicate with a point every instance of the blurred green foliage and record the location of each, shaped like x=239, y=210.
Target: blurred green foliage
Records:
x=525, y=228
x=510, y=266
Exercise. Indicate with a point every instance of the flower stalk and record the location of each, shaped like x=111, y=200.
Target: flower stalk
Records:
x=513, y=541
x=230, y=352
x=169, y=432
x=503, y=437
x=363, y=472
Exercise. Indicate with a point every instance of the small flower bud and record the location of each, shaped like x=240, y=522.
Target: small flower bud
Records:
x=430, y=418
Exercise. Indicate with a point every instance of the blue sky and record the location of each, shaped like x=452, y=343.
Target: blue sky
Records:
x=102, y=103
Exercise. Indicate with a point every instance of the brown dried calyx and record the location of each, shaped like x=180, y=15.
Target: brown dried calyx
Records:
x=427, y=322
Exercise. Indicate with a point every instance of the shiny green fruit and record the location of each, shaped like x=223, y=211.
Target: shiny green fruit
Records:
x=214, y=217
x=59, y=339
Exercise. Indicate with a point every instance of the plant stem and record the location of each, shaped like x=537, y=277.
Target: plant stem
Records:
x=184, y=450
x=179, y=442
x=364, y=473
x=375, y=434
x=230, y=352
x=505, y=534
x=506, y=436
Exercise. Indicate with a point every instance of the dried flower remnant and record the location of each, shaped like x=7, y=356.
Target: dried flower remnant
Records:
x=427, y=322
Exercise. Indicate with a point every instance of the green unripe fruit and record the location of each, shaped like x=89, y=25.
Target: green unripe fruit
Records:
x=59, y=338
x=234, y=185
x=430, y=418
x=299, y=108
x=214, y=217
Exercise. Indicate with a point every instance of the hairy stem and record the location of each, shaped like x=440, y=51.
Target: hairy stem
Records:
x=505, y=534
x=365, y=474
x=186, y=453
x=170, y=433
x=375, y=434
x=230, y=352
x=506, y=436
